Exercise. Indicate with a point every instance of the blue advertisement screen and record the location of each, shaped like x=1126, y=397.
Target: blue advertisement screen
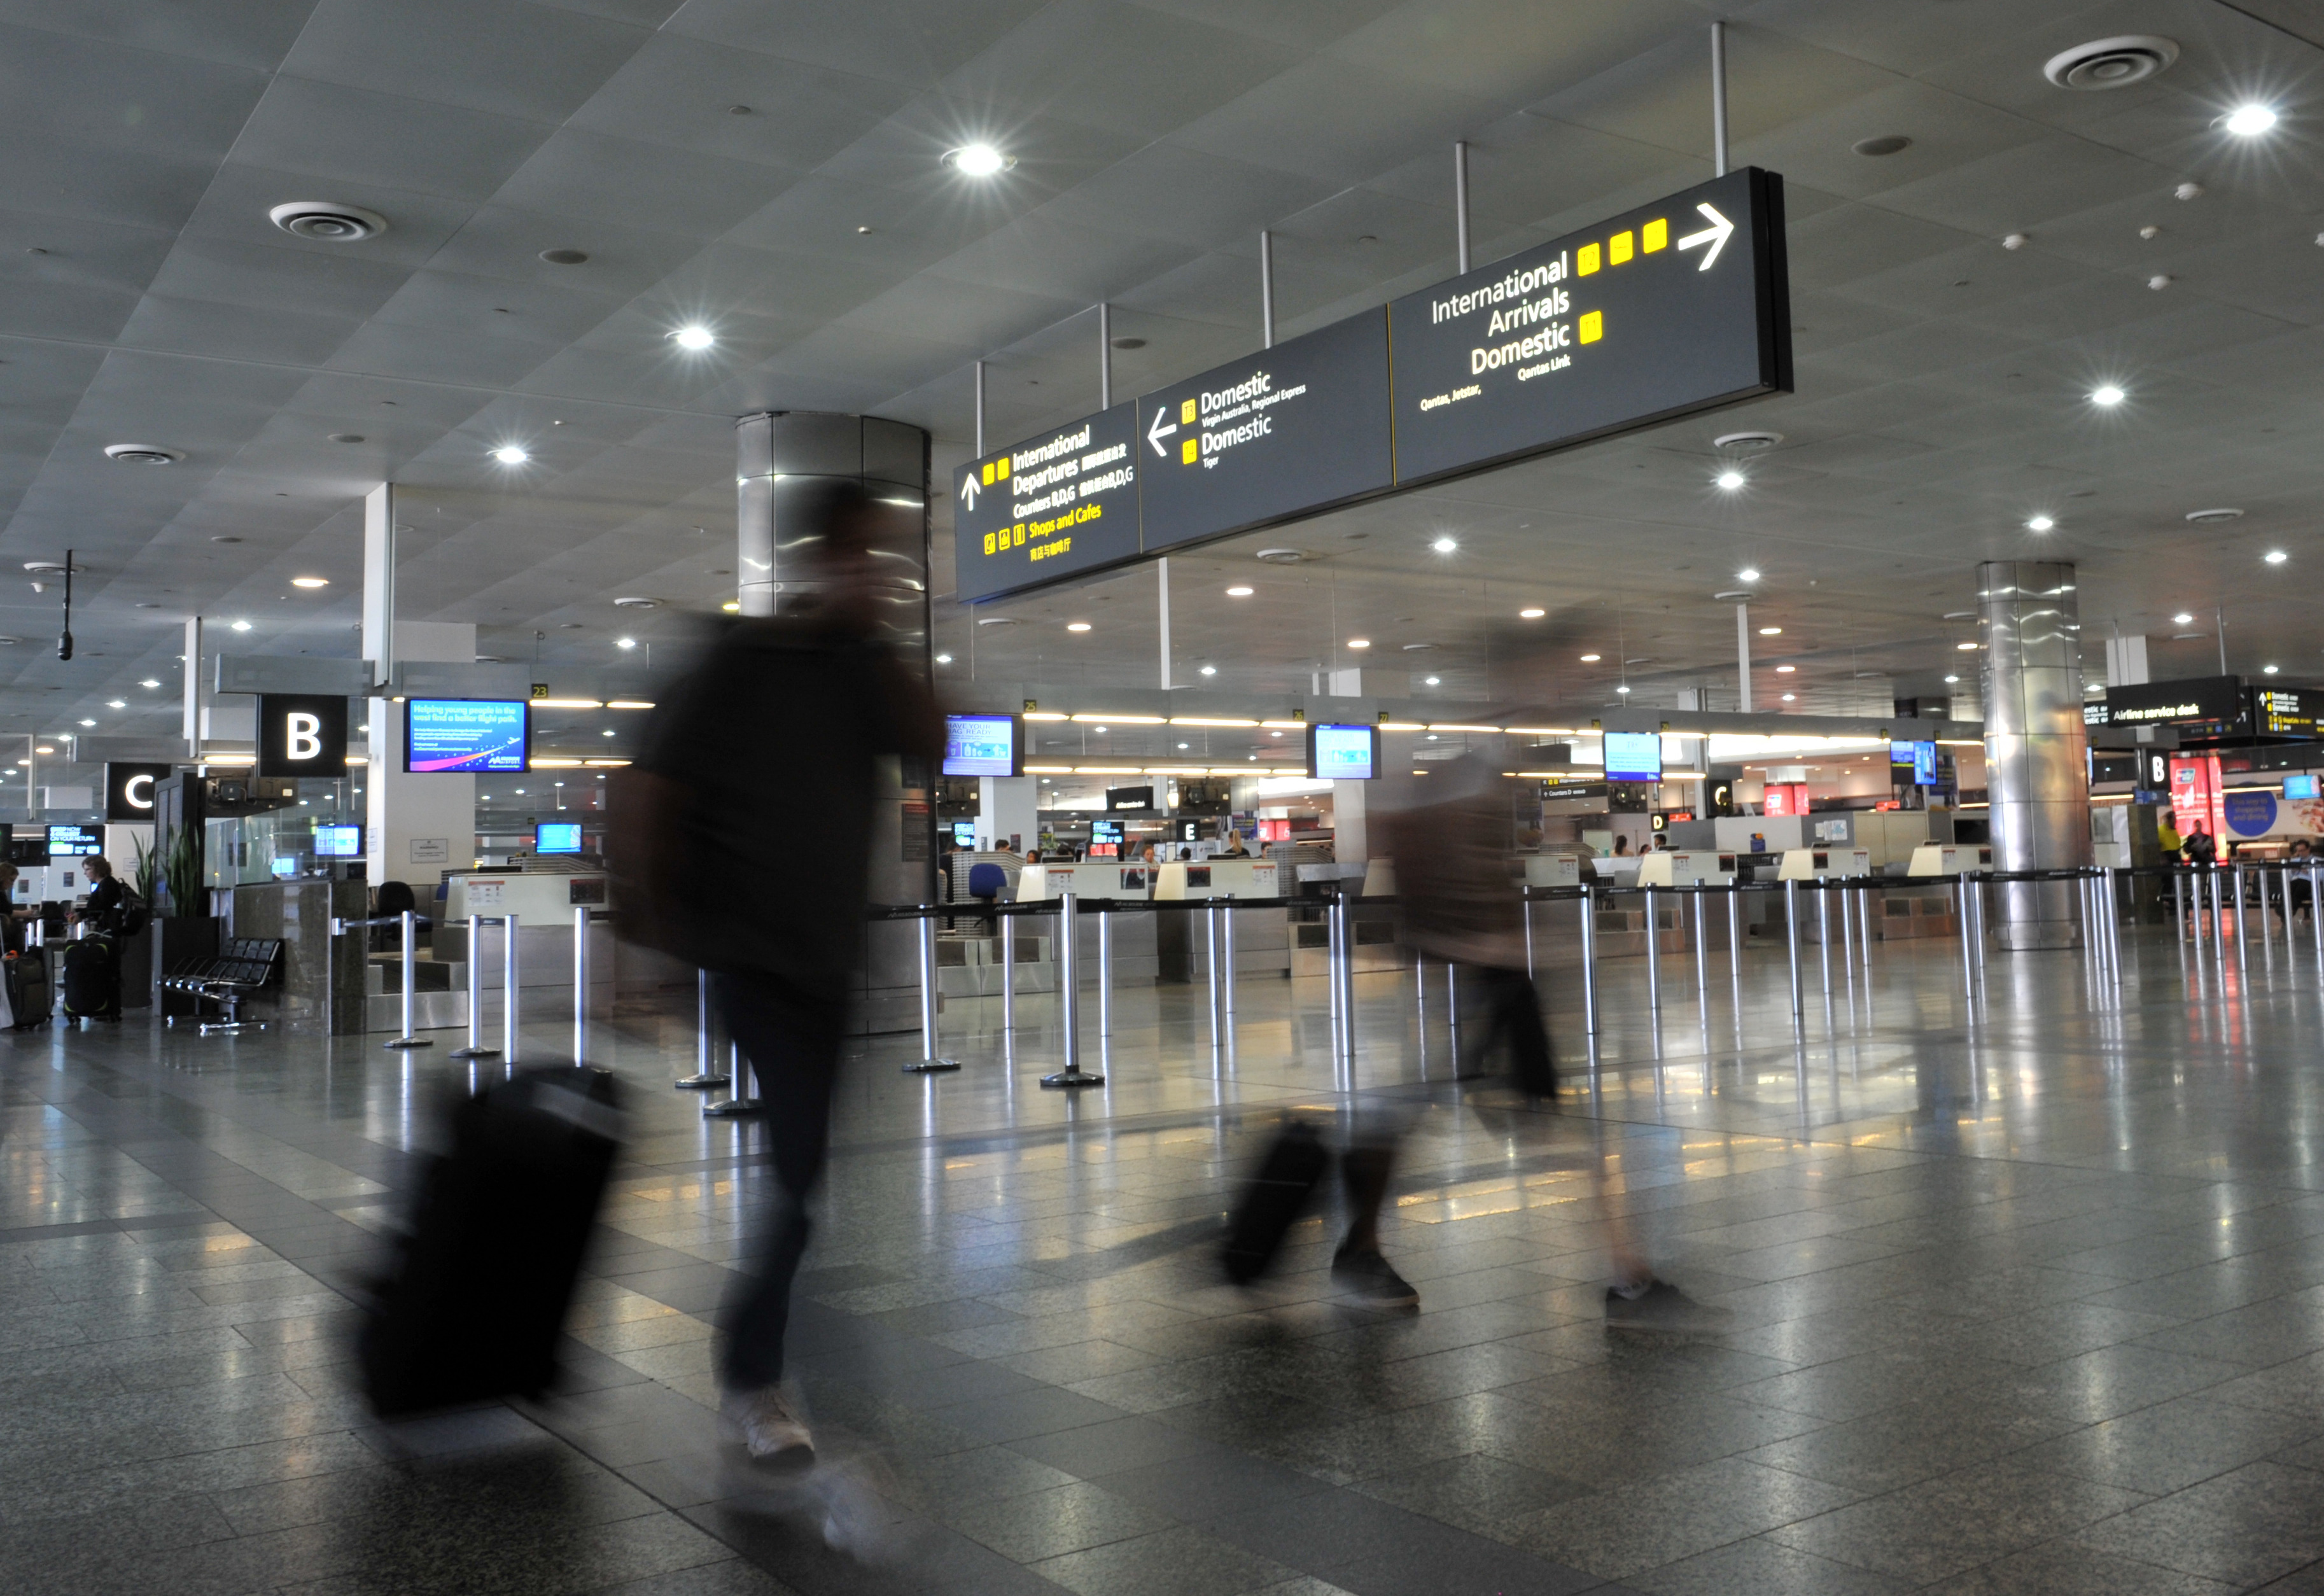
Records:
x=980, y=746
x=2300, y=786
x=338, y=842
x=1343, y=753
x=485, y=734
x=557, y=837
x=1634, y=756
x=1921, y=756
x=74, y=842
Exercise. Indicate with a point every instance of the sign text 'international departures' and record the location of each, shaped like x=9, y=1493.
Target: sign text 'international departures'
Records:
x=1667, y=310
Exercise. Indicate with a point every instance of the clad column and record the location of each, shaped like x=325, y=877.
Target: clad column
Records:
x=417, y=826
x=778, y=457
x=2036, y=772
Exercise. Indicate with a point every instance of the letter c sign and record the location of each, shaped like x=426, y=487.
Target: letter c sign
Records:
x=129, y=790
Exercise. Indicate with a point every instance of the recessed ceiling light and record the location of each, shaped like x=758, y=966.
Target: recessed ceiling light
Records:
x=1237, y=593
x=1210, y=670
x=149, y=682
x=1746, y=575
x=2248, y=122
x=2263, y=670
x=1624, y=689
x=2277, y=557
x=944, y=659
x=1078, y=626
x=1444, y=545
x=2040, y=523
x=1790, y=697
x=242, y=626
x=2182, y=619
x=978, y=161
x=1785, y=669
x=1966, y=648
x=1950, y=680
x=117, y=703
x=1592, y=658
x=1771, y=632
x=2107, y=395
x=607, y=732
x=1531, y=615
x=88, y=723
x=311, y=581
x=732, y=606
x=510, y=453
x=1729, y=480
x=694, y=337
x=626, y=643
x=1432, y=681
x=1359, y=643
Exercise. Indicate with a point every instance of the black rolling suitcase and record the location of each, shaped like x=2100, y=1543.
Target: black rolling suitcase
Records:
x=92, y=979
x=1294, y=1166
x=28, y=997
x=479, y=1291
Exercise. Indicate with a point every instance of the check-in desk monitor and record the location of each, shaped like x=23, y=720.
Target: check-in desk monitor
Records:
x=1552, y=870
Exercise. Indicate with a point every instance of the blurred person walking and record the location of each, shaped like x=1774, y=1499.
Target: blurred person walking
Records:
x=780, y=733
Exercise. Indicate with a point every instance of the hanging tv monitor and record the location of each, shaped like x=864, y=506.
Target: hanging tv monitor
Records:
x=983, y=745
x=487, y=737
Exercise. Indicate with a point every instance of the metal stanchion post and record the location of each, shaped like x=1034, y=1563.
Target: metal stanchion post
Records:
x=1792, y=945
x=1211, y=960
x=1588, y=965
x=1847, y=936
x=932, y=1059
x=509, y=989
x=1008, y=973
x=1824, y=932
x=2179, y=900
x=1227, y=956
x=580, y=983
x=2114, y=922
x=1976, y=914
x=1069, y=1001
x=1701, y=955
x=2316, y=913
x=704, y=1076
x=1962, y=913
x=411, y=927
x=1735, y=931
x=1105, y=973
x=2238, y=887
x=1343, y=976
x=476, y=1047
x=1524, y=907
x=1653, y=955
x=1864, y=925
x=2267, y=927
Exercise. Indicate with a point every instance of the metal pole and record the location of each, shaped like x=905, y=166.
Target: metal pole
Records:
x=1211, y=960
x=1008, y=973
x=1524, y=907
x=1069, y=1001
x=2316, y=913
x=1104, y=357
x=1701, y=955
x=1266, y=288
x=2179, y=900
x=476, y=1047
x=1962, y=913
x=1719, y=100
x=1227, y=958
x=580, y=983
x=704, y=1076
x=1824, y=932
x=2114, y=922
x=1864, y=912
x=1735, y=931
x=410, y=926
x=509, y=989
x=1461, y=202
x=932, y=1059
x=1653, y=955
x=1792, y=945
x=1589, y=966
x=980, y=411
x=1105, y=972
x=2266, y=930
x=2238, y=888
x=1453, y=1013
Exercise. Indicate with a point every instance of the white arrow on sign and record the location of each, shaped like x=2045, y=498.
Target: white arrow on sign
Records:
x=1157, y=432
x=1716, y=236
x=968, y=492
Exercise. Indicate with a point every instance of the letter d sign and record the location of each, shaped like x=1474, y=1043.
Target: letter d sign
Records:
x=302, y=735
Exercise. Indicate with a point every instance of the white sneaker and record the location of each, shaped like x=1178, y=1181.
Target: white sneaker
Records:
x=763, y=1422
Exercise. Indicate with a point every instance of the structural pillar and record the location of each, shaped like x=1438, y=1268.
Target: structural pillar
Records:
x=2037, y=769
x=418, y=826
x=1009, y=806
x=782, y=458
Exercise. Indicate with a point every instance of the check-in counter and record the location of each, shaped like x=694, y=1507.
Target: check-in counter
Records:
x=1942, y=859
x=543, y=902
x=1552, y=870
x=1088, y=878
x=1216, y=878
x=1808, y=864
x=1161, y=945
x=1686, y=867
x=539, y=898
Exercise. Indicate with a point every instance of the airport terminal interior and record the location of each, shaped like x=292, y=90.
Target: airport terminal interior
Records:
x=794, y=794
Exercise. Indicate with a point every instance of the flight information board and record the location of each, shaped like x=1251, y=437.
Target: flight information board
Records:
x=1292, y=430
x=1678, y=305
x=1061, y=504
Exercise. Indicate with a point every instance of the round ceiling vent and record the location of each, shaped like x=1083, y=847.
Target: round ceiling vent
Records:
x=565, y=257
x=634, y=602
x=141, y=454
x=1733, y=596
x=1746, y=443
x=1419, y=648
x=327, y=222
x=2203, y=518
x=2111, y=63
x=1283, y=557
x=46, y=566
x=10, y=642
x=1887, y=144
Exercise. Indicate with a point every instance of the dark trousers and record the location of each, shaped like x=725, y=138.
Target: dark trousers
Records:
x=1513, y=1019
x=792, y=1038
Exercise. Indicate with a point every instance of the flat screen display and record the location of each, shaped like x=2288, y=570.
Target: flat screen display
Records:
x=1634, y=756
x=963, y=834
x=338, y=842
x=75, y=842
x=1913, y=763
x=2300, y=786
x=285, y=867
x=444, y=735
x=980, y=745
x=1343, y=752
x=556, y=837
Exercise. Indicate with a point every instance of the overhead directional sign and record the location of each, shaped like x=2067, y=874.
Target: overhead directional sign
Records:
x=1676, y=306
x=1673, y=308
x=1058, y=506
x=1286, y=432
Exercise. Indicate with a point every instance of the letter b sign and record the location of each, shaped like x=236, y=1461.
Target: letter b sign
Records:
x=302, y=735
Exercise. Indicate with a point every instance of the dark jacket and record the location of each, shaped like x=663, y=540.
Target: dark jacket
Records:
x=769, y=752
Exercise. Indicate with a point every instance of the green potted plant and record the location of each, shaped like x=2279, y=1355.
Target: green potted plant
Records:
x=185, y=932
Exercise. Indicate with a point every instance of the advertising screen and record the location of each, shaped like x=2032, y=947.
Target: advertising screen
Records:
x=963, y=834
x=338, y=842
x=454, y=734
x=1342, y=753
x=1105, y=839
x=1634, y=756
x=75, y=842
x=556, y=837
x=1912, y=763
x=982, y=746
x=2300, y=786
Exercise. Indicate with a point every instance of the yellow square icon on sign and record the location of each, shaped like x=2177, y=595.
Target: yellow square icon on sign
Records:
x=1188, y=452
x=1020, y=534
x=1000, y=467
x=988, y=474
x=1187, y=413
x=1618, y=248
x=1585, y=259
x=990, y=538
x=1594, y=325
x=1654, y=235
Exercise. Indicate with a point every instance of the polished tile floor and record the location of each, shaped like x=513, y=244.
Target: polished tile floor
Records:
x=2025, y=1297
